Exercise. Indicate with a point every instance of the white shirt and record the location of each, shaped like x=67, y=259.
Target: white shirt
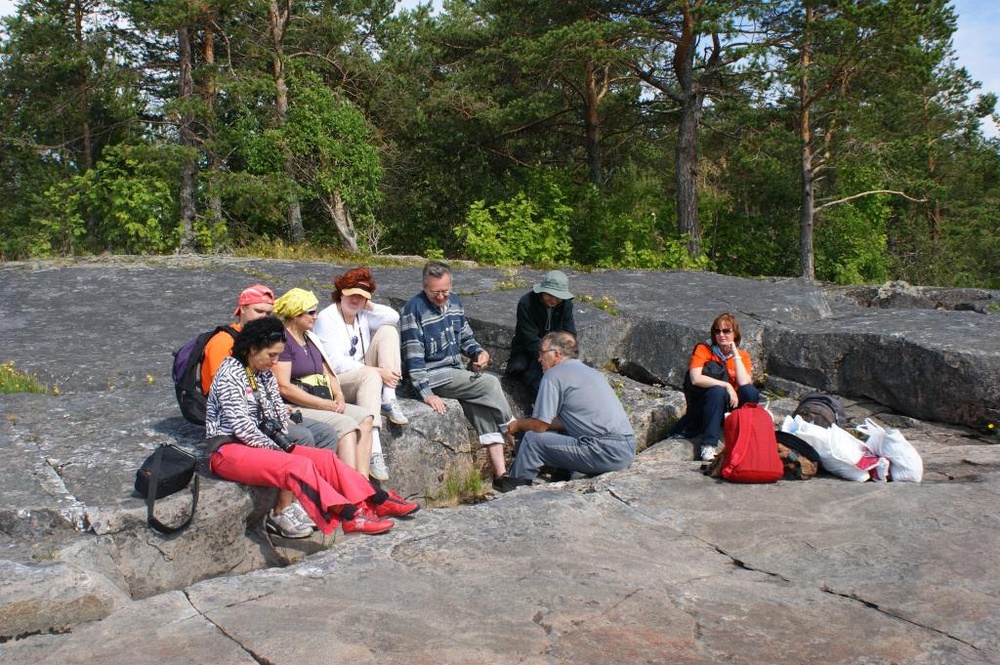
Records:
x=335, y=334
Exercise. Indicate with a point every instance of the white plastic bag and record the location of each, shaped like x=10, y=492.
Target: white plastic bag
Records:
x=907, y=465
x=839, y=452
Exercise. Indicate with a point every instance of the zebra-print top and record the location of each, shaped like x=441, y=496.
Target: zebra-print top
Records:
x=232, y=409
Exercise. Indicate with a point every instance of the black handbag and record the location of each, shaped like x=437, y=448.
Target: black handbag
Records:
x=167, y=471
x=318, y=391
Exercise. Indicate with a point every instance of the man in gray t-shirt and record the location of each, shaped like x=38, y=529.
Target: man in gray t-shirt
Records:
x=578, y=423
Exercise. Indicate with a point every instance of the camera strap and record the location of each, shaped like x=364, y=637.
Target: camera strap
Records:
x=255, y=389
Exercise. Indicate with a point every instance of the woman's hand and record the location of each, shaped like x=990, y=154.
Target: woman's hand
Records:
x=734, y=399
x=338, y=403
x=390, y=379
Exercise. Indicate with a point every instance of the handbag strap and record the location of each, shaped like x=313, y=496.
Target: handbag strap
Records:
x=154, y=483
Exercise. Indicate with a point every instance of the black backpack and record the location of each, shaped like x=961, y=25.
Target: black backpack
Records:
x=821, y=409
x=187, y=375
x=712, y=369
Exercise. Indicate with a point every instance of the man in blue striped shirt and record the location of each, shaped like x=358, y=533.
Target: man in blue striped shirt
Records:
x=435, y=334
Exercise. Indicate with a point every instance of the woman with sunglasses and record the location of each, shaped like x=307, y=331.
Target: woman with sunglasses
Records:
x=361, y=340
x=720, y=378
x=306, y=379
x=252, y=441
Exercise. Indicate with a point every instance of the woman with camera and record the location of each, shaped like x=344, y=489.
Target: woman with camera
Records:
x=252, y=441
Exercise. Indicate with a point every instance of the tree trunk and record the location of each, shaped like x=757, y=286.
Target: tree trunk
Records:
x=83, y=108
x=807, y=200
x=686, y=167
x=208, y=94
x=592, y=121
x=83, y=105
x=189, y=167
x=277, y=22
x=341, y=218
x=686, y=152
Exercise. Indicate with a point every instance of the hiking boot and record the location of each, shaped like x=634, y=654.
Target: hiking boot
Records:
x=377, y=468
x=708, y=452
x=394, y=413
x=286, y=525
x=366, y=522
x=396, y=506
x=505, y=483
x=302, y=516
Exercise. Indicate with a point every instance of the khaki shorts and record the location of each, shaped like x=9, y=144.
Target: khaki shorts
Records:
x=344, y=423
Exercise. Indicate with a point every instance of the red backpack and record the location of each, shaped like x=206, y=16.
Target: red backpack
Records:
x=751, y=452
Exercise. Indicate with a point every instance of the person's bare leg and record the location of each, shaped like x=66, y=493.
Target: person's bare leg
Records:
x=364, y=447
x=497, y=459
x=285, y=499
x=347, y=449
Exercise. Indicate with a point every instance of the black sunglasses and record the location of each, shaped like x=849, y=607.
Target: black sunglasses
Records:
x=354, y=345
x=275, y=337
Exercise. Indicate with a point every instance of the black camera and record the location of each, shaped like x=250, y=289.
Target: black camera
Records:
x=272, y=428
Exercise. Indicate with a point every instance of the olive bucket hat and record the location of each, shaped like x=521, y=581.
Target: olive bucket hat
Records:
x=555, y=283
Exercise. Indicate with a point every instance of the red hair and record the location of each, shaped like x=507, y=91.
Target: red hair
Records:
x=355, y=278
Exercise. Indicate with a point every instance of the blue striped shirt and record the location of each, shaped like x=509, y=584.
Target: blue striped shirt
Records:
x=433, y=341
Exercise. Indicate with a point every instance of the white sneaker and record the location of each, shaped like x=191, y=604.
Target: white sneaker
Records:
x=302, y=516
x=708, y=453
x=286, y=525
x=394, y=413
x=377, y=467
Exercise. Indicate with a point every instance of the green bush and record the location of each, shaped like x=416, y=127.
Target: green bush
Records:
x=518, y=231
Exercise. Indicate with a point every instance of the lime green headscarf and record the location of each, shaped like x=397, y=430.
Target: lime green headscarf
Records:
x=294, y=303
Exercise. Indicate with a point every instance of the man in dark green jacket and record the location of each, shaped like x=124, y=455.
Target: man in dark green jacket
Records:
x=547, y=308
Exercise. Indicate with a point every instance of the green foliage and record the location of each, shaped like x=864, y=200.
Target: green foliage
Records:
x=518, y=231
x=15, y=381
x=604, y=303
x=850, y=238
x=128, y=198
x=462, y=485
x=512, y=132
x=629, y=226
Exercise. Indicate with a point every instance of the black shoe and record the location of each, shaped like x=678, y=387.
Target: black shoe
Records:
x=556, y=475
x=505, y=483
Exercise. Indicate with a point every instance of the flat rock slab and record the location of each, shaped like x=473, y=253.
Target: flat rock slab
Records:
x=654, y=564
x=658, y=564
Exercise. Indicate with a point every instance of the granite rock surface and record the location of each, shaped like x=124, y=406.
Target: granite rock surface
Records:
x=653, y=564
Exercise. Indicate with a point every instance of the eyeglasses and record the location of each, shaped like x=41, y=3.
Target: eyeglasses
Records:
x=354, y=345
x=722, y=331
x=544, y=351
x=440, y=294
x=310, y=312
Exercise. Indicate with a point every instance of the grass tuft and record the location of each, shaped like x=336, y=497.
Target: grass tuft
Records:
x=14, y=381
x=463, y=485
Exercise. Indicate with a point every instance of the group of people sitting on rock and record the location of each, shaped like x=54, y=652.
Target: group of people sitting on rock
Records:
x=296, y=395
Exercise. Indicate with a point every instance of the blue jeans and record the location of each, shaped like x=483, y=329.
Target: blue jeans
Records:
x=715, y=404
x=587, y=454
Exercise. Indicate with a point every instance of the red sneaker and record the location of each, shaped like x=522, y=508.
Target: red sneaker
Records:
x=365, y=522
x=395, y=506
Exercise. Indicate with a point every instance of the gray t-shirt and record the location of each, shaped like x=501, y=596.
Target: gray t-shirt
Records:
x=582, y=399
